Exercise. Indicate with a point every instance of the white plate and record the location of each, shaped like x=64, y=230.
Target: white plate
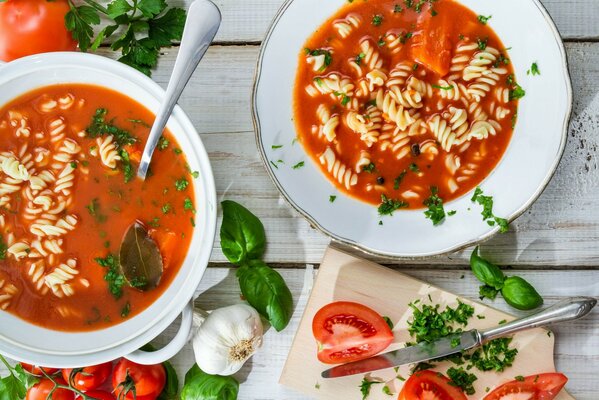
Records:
x=527, y=166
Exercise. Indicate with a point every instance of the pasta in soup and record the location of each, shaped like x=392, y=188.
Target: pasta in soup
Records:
x=68, y=194
x=399, y=101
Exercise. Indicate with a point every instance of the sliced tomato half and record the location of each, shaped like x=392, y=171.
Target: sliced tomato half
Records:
x=347, y=331
x=534, y=387
x=430, y=385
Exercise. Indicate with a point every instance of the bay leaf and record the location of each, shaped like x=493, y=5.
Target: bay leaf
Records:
x=140, y=258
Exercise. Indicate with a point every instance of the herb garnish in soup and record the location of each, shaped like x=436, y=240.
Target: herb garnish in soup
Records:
x=85, y=244
x=398, y=102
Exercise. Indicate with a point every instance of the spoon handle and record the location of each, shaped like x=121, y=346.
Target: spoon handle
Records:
x=203, y=21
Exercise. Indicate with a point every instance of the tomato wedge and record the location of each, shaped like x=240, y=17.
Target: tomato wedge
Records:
x=431, y=45
x=347, y=331
x=430, y=385
x=534, y=387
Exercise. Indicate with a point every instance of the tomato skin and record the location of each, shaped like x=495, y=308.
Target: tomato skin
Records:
x=540, y=387
x=35, y=370
x=149, y=380
x=33, y=26
x=41, y=390
x=90, y=377
x=430, y=383
x=347, y=332
x=98, y=395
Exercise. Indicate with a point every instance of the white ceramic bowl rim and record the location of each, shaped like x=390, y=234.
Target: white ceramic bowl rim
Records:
x=31, y=343
x=343, y=237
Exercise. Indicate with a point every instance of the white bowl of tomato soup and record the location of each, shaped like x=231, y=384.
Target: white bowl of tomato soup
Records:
x=73, y=126
x=411, y=129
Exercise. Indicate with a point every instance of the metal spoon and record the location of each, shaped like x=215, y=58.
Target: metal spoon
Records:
x=203, y=21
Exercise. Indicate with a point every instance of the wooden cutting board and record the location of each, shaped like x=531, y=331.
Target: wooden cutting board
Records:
x=345, y=277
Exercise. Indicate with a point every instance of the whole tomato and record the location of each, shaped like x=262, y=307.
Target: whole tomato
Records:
x=33, y=26
x=42, y=389
x=88, y=378
x=133, y=380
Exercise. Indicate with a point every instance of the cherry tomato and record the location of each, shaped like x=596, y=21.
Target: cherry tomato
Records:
x=430, y=385
x=35, y=370
x=33, y=26
x=148, y=380
x=534, y=387
x=41, y=390
x=88, y=378
x=98, y=395
x=348, y=332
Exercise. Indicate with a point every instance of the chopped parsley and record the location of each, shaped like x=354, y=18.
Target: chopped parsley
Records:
x=3, y=248
x=177, y=151
x=403, y=38
x=414, y=168
x=387, y=390
x=397, y=181
x=517, y=92
x=99, y=127
x=370, y=168
x=115, y=279
x=429, y=324
x=482, y=43
x=365, y=387
x=163, y=143
x=462, y=379
x=397, y=9
x=435, y=212
x=166, y=208
x=359, y=57
x=520, y=378
x=126, y=165
x=377, y=20
x=298, y=165
x=483, y=20
x=388, y=206
x=534, y=70
x=94, y=210
x=276, y=146
x=181, y=184
x=126, y=310
x=188, y=205
x=332, y=198
x=487, y=212
x=154, y=222
x=319, y=52
x=495, y=355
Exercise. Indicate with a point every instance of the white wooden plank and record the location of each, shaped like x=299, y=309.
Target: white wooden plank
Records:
x=577, y=343
x=248, y=21
x=560, y=229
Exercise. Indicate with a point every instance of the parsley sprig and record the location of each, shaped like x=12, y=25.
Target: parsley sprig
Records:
x=144, y=27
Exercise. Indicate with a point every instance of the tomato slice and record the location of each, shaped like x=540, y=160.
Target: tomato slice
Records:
x=534, y=387
x=431, y=45
x=347, y=332
x=430, y=385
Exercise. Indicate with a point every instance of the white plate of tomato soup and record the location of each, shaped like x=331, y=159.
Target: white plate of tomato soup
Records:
x=73, y=127
x=411, y=129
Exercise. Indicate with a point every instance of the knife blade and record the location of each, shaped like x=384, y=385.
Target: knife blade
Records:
x=566, y=310
x=424, y=351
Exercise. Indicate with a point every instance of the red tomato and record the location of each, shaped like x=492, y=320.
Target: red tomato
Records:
x=431, y=45
x=98, y=395
x=148, y=380
x=88, y=378
x=41, y=390
x=348, y=332
x=35, y=370
x=534, y=387
x=33, y=26
x=430, y=385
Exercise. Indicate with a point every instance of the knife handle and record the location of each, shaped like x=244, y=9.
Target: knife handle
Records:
x=566, y=310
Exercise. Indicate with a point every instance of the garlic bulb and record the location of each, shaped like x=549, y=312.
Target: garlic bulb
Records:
x=226, y=338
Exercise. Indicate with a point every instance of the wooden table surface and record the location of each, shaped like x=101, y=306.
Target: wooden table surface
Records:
x=553, y=245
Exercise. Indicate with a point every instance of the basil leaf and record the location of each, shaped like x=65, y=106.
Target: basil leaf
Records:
x=171, y=388
x=242, y=236
x=486, y=272
x=520, y=294
x=202, y=386
x=266, y=291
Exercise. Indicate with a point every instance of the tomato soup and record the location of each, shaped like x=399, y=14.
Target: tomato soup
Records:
x=68, y=194
x=398, y=100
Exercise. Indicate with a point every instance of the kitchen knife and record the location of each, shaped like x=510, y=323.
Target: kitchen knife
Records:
x=566, y=310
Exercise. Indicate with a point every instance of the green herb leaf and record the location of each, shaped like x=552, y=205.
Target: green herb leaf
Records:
x=534, y=70
x=140, y=259
x=365, y=386
x=435, y=212
x=520, y=294
x=181, y=184
x=3, y=248
x=389, y=206
x=377, y=20
x=242, y=236
x=202, y=386
x=370, y=168
x=486, y=272
x=495, y=355
x=266, y=291
x=113, y=276
x=171, y=387
x=462, y=379
x=483, y=20
x=487, y=212
x=487, y=292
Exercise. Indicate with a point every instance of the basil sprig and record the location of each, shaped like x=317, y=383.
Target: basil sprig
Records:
x=202, y=386
x=243, y=242
x=516, y=291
